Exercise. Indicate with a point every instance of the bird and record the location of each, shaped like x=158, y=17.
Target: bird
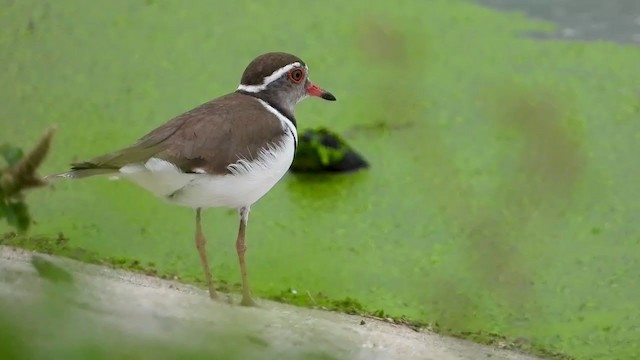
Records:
x=225, y=153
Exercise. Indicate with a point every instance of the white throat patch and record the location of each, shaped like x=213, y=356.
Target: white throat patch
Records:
x=268, y=79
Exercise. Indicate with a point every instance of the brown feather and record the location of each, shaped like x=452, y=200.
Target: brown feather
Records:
x=208, y=137
x=264, y=65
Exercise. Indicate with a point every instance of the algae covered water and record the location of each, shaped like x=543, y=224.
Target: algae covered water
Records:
x=501, y=196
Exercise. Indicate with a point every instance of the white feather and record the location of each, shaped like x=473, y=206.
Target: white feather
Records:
x=247, y=182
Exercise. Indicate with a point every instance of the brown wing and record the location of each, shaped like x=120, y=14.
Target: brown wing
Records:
x=209, y=137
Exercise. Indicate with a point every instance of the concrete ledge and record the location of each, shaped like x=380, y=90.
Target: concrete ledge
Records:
x=143, y=307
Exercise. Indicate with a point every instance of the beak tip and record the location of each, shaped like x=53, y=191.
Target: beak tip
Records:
x=314, y=90
x=328, y=96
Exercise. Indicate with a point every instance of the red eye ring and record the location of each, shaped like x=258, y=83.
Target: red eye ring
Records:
x=296, y=75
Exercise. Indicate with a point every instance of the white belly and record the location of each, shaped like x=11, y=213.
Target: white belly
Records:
x=246, y=184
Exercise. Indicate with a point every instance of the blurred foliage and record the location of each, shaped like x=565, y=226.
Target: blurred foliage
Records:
x=50, y=271
x=11, y=154
x=20, y=175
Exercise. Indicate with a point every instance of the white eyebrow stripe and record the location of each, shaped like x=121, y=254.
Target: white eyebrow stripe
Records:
x=268, y=79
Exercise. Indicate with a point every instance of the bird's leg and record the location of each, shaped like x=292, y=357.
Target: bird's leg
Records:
x=241, y=248
x=200, y=245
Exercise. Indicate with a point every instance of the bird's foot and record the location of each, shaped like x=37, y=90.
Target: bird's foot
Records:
x=248, y=301
x=213, y=295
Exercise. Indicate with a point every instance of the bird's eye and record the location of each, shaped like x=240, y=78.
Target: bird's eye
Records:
x=296, y=75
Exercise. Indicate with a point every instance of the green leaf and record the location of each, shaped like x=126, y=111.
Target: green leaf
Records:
x=18, y=215
x=11, y=154
x=3, y=208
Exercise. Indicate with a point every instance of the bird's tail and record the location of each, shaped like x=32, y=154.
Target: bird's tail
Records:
x=83, y=170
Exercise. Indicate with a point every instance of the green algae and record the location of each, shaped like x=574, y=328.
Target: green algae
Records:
x=453, y=223
x=60, y=246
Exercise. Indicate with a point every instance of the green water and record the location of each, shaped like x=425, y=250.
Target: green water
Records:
x=503, y=190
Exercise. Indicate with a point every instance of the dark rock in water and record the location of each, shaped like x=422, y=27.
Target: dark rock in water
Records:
x=320, y=150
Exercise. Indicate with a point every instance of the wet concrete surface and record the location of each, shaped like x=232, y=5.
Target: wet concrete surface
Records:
x=611, y=20
x=146, y=307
